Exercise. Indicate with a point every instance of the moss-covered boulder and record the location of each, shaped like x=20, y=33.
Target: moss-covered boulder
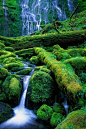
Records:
x=24, y=71
x=25, y=53
x=42, y=68
x=56, y=118
x=34, y=60
x=3, y=73
x=74, y=120
x=2, y=97
x=41, y=87
x=12, y=88
x=60, y=53
x=77, y=62
x=2, y=46
x=11, y=49
x=6, y=112
x=59, y=108
x=5, y=54
x=44, y=112
x=13, y=66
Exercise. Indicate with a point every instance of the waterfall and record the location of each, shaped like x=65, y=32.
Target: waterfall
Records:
x=35, y=12
x=22, y=116
x=65, y=104
x=6, y=19
x=71, y=5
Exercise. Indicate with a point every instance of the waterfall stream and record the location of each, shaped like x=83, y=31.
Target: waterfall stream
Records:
x=36, y=11
x=71, y=5
x=6, y=27
x=23, y=118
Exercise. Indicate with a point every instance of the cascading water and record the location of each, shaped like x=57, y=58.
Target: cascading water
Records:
x=23, y=118
x=6, y=19
x=36, y=11
x=71, y=5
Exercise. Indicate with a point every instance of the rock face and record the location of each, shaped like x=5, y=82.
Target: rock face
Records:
x=75, y=120
x=41, y=87
x=6, y=112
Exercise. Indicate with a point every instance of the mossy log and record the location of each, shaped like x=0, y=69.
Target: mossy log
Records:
x=66, y=79
x=63, y=39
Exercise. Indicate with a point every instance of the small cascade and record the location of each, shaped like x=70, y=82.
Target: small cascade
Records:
x=23, y=117
x=6, y=19
x=71, y=5
x=35, y=12
x=65, y=104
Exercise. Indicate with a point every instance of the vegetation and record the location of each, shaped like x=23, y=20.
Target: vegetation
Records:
x=59, y=52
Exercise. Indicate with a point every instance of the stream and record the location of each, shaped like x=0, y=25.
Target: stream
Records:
x=23, y=118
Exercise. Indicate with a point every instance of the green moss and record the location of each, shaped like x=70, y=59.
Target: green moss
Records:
x=42, y=85
x=9, y=49
x=59, y=109
x=74, y=120
x=13, y=66
x=42, y=68
x=3, y=73
x=66, y=79
x=44, y=112
x=56, y=118
x=2, y=46
x=24, y=71
x=6, y=112
x=77, y=62
x=2, y=97
x=14, y=90
x=60, y=53
x=63, y=39
x=34, y=60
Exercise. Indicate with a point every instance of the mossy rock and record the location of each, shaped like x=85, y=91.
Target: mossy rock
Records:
x=9, y=60
x=42, y=68
x=44, y=112
x=13, y=66
x=6, y=112
x=2, y=97
x=11, y=49
x=74, y=120
x=12, y=88
x=34, y=60
x=41, y=87
x=59, y=108
x=77, y=62
x=14, y=91
x=24, y=71
x=60, y=53
x=3, y=73
x=2, y=46
x=56, y=118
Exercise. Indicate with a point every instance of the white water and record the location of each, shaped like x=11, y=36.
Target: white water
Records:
x=65, y=104
x=71, y=5
x=22, y=116
x=36, y=11
x=6, y=26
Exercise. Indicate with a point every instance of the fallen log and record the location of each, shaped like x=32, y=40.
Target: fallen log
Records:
x=64, y=39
